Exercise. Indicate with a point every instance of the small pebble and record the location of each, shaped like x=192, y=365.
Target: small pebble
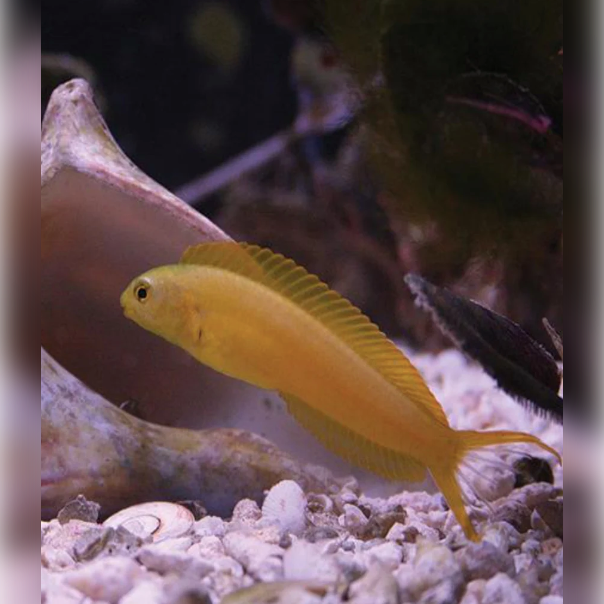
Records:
x=352, y=518
x=176, y=562
x=502, y=590
x=261, y=560
x=483, y=560
x=376, y=586
x=79, y=509
x=108, y=579
x=210, y=525
x=551, y=600
x=246, y=512
x=147, y=592
x=56, y=559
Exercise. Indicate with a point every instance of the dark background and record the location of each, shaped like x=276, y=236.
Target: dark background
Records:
x=159, y=88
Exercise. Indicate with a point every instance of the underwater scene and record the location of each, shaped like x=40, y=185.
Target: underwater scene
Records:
x=301, y=302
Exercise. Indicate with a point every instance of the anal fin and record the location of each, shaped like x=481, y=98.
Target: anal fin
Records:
x=354, y=448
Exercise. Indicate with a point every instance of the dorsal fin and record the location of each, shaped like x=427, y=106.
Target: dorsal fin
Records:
x=334, y=312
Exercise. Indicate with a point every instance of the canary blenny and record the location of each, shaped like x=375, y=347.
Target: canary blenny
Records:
x=254, y=315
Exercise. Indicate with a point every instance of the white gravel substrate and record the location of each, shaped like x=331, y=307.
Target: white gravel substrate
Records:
x=338, y=547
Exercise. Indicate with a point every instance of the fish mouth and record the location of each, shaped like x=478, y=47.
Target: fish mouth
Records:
x=125, y=307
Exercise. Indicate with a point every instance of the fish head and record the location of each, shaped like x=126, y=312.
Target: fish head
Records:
x=155, y=301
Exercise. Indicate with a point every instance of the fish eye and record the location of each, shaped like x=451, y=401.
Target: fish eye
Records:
x=141, y=292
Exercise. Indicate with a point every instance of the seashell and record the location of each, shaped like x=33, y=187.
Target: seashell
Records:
x=285, y=505
x=115, y=459
x=103, y=222
x=159, y=520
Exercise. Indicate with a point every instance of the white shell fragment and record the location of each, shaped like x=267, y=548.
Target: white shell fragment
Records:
x=158, y=520
x=285, y=505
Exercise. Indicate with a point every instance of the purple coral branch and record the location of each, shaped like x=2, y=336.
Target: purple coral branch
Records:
x=540, y=124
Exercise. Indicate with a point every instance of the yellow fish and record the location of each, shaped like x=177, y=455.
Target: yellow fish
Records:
x=254, y=315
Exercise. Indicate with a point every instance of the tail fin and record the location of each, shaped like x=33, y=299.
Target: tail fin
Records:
x=446, y=475
x=471, y=439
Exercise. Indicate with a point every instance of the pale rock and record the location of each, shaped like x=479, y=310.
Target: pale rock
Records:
x=261, y=560
x=544, y=567
x=107, y=579
x=164, y=562
x=208, y=548
x=474, y=592
x=64, y=536
x=147, y=592
x=45, y=580
x=531, y=546
x=351, y=566
x=494, y=483
x=377, y=586
x=531, y=587
x=550, y=547
x=319, y=503
x=470, y=598
x=432, y=565
x=502, y=590
x=411, y=531
x=514, y=513
x=535, y=493
x=445, y=592
x=483, y=560
x=503, y=536
x=285, y=505
x=523, y=562
x=436, y=519
x=556, y=583
x=551, y=600
x=271, y=533
x=331, y=546
x=346, y=496
x=220, y=584
x=388, y=554
x=352, y=544
x=227, y=566
x=210, y=526
x=352, y=518
x=304, y=561
x=60, y=593
x=246, y=513
x=56, y=559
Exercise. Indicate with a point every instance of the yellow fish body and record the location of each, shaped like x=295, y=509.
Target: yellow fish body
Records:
x=257, y=316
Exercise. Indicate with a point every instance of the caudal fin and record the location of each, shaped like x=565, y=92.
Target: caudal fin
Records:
x=447, y=474
x=471, y=439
